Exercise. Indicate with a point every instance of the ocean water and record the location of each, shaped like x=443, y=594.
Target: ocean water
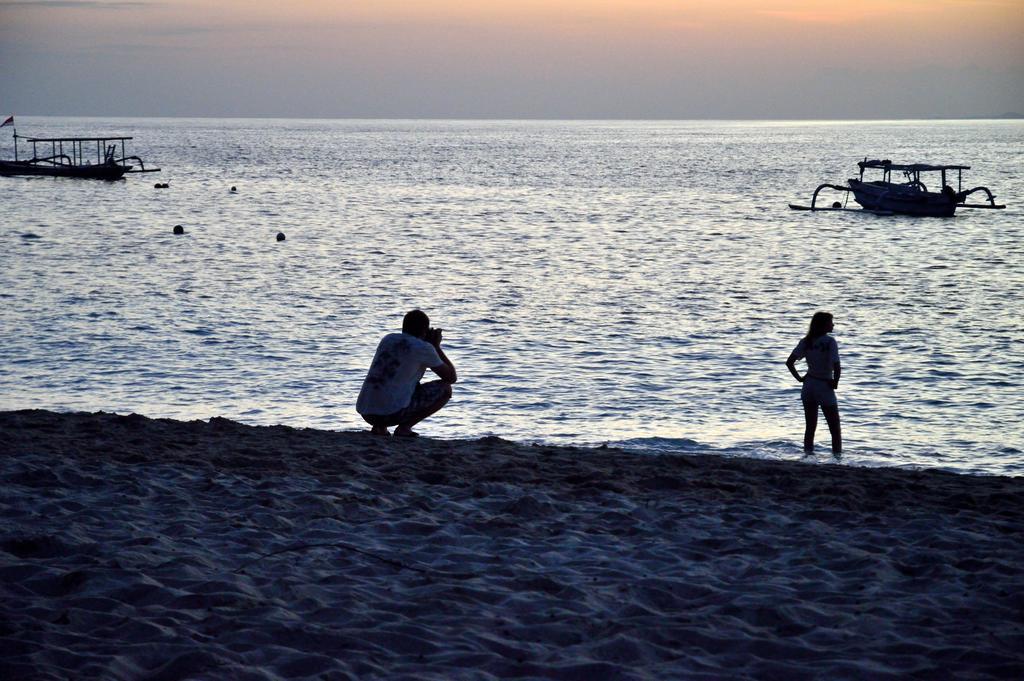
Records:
x=635, y=283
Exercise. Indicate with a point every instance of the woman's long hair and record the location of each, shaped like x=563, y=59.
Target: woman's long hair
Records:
x=818, y=328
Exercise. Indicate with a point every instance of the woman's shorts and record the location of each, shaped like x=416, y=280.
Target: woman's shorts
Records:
x=425, y=395
x=818, y=392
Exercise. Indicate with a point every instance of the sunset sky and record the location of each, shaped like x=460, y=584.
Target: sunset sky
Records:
x=513, y=58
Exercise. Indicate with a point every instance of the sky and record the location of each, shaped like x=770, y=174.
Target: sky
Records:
x=645, y=59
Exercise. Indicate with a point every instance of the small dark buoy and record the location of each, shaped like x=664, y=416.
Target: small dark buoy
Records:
x=280, y=236
x=178, y=229
x=836, y=204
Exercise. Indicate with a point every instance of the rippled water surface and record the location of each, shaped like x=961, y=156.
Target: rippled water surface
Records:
x=637, y=283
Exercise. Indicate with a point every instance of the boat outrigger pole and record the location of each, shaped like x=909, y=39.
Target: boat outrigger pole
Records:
x=834, y=206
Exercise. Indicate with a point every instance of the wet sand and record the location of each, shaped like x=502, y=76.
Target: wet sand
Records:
x=133, y=548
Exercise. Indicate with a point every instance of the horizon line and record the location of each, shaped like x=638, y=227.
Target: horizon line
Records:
x=990, y=117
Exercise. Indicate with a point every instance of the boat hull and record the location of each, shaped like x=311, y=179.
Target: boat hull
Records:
x=902, y=199
x=106, y=171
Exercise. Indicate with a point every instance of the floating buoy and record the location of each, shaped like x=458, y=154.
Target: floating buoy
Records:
x=280, y=236
x=178, y=229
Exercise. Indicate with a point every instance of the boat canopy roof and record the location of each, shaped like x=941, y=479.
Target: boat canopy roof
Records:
x=74, y=139
x=911, y=167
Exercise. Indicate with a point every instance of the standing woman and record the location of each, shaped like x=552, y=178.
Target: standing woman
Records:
x=820, y=381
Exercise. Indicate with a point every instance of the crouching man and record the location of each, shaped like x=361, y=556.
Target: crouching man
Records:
x=392, y=394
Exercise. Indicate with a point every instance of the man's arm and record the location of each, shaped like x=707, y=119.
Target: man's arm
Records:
x=446, y=371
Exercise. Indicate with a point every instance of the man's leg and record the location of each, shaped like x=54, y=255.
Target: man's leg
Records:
x=832, y=418
x=378, y=425
x=811, y=424
x=437, y=395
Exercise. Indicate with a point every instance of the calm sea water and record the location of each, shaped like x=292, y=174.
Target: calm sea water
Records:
x=637, y=283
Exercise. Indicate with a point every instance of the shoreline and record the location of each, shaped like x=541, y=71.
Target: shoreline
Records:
x=135, y=546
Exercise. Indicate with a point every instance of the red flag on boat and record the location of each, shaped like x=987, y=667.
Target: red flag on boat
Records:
x=9, y=121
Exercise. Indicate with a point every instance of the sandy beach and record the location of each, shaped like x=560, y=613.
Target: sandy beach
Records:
x=134, y=548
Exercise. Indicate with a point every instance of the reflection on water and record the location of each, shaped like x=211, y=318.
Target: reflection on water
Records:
x=597, y=282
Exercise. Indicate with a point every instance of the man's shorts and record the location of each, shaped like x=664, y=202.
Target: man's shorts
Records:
x=818, y=392
x=425, y=395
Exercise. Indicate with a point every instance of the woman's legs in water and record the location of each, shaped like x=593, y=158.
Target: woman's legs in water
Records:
x=811, y=421
x=832, y=417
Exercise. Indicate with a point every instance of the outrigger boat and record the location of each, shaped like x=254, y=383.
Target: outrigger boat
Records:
x=73, y=157
x=909, y=197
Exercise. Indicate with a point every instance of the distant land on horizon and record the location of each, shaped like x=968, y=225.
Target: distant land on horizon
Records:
x=1009, y=115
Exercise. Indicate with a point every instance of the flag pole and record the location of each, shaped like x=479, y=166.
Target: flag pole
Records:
x=10, y=121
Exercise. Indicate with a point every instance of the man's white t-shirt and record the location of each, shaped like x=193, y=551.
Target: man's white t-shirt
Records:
x=821, y=356
x=397, y=368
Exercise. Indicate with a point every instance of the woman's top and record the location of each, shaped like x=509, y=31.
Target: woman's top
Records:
x=821, y=356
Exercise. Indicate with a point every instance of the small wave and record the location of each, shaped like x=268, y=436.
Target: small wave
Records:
x=662, y=445
x=772, y=450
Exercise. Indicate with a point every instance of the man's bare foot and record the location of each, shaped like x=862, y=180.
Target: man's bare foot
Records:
x=380, y=430
x=405, y=432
